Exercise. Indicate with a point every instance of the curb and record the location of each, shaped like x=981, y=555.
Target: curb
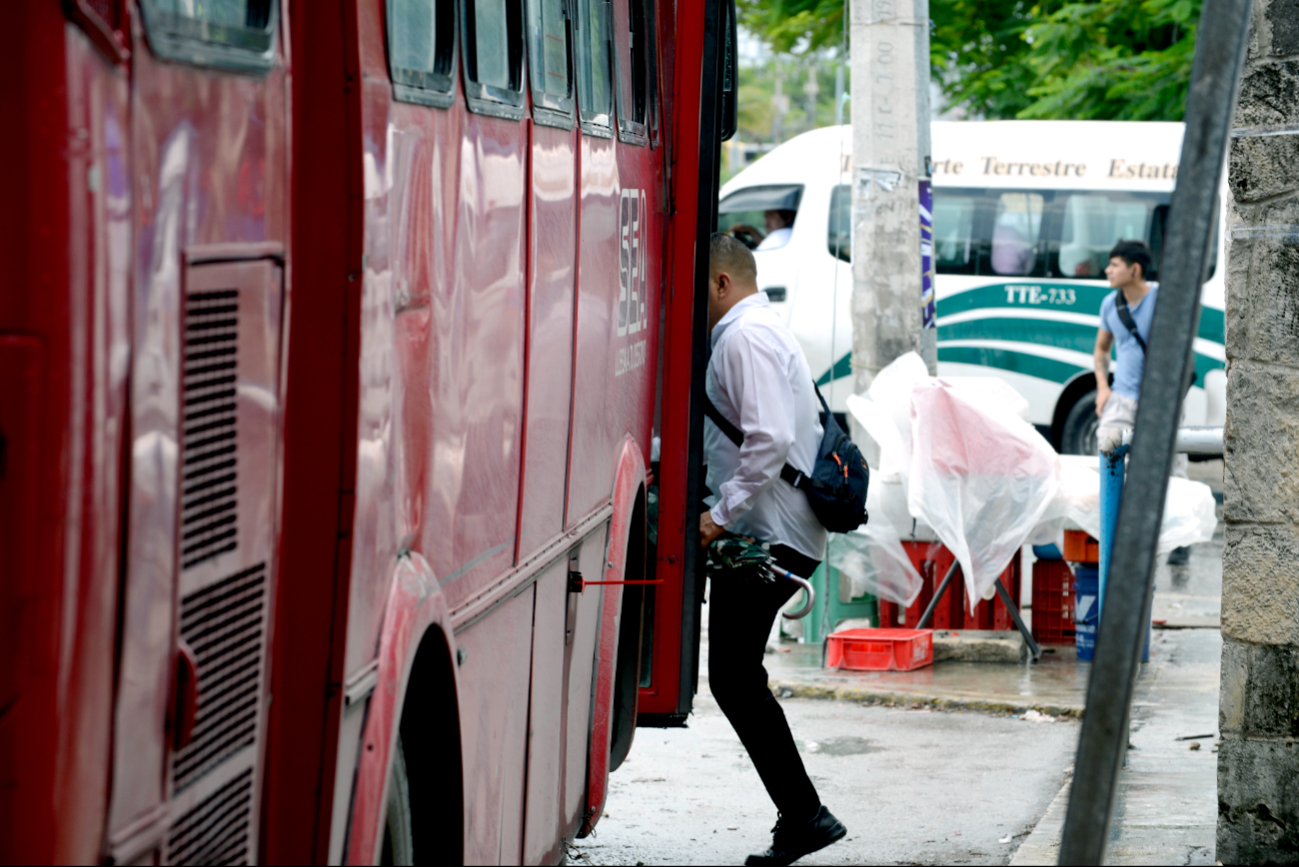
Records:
x=1042, y=846
x=793, y=689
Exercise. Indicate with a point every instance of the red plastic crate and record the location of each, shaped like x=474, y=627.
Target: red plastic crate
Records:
x=1053, y=602
x=1081, y=548
x=880, y=649
x=932, y=560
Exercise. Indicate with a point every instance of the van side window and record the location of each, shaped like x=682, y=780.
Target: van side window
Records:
x=633, y=38
x=1093, y=222
x=233, y=34
x=1016, y=230
x=492, y=33
x=839, y=238
x=956, y=247
x=422, y=50
x=550, y=62
x=595, y=67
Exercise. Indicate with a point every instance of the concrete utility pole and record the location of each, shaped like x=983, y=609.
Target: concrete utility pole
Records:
x=779, y=105
x=891, y=161
x=1258, y=711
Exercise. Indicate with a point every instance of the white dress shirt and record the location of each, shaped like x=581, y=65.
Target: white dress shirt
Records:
x=775, y=240
x=759, y=380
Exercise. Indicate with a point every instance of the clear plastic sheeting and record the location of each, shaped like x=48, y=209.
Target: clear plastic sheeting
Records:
x=987, y=483
x=1189, y=509
x=981, y=476
x=885, y=413
x=873, y=560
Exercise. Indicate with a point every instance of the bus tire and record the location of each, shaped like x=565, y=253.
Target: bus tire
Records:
x=1078, y=436
x=398, y=835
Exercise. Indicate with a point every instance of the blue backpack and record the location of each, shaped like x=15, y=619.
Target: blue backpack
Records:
x=836, y=489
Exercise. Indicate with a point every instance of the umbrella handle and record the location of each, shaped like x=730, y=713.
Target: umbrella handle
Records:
x=807, y=587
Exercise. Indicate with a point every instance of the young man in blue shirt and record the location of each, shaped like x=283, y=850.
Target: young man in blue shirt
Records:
x=1116, y=405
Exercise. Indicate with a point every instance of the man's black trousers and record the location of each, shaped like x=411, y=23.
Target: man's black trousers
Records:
x=739, y=624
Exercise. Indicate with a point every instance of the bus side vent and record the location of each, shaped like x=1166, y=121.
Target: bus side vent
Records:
x=225, y=625
x=208, y=490
x=216, y=830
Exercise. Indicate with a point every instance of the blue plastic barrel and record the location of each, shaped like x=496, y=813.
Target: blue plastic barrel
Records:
x=1086, y=588
x=1047, y=552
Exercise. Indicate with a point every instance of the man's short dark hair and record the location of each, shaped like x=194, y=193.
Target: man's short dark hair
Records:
x=727, y=254
x=1134, y=253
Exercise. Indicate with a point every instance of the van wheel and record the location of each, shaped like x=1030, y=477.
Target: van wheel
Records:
x=1079, y=434
x=398, y=840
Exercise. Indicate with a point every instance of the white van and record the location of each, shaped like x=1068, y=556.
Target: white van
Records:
x=1025, y=214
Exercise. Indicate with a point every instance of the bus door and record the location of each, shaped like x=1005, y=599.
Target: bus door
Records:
x=208, y=167
x=704, y=115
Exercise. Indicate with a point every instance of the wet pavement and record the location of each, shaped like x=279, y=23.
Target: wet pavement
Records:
x=911, y=785
x=954, y=763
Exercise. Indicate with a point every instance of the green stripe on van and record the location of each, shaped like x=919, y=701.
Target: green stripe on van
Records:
x=1020, y=362
x=1046, y=332
x=1058, y=297
x=1008, y=359
x=1061, y=297
x=842, y=368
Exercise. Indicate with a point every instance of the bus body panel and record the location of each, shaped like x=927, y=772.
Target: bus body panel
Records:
x=64, y=332
x=209, y=161
x=552, y=251
x=470, y=290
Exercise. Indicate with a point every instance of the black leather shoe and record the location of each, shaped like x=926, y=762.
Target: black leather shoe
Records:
x=1180, y=556
x=791, y=842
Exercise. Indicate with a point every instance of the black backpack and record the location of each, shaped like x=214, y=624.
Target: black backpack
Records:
x=836, y=490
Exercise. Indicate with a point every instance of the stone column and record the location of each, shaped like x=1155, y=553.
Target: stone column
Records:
x=1258, y=761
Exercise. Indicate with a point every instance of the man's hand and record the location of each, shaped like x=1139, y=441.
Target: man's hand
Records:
x=708, y=529
x=1102, y=395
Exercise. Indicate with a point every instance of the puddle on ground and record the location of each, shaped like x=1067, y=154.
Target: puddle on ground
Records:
x=849, y=746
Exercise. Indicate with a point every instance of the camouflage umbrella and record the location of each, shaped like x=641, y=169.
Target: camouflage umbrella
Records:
x=739, y=558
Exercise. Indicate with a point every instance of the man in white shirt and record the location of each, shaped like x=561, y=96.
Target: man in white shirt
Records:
x=759, y=380
x=779, y=225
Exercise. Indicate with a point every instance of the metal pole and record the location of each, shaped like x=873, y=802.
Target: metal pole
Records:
x=938, y=594
x=1112, y=471
x=1033, y=647
x=1104, y=737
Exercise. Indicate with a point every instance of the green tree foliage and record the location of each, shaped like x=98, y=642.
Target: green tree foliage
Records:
x=1105, y=59
x=758, y=120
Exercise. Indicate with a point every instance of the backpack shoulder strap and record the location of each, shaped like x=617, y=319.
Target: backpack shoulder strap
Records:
x=1125, y=316
x=733, y=433
x=825, y=406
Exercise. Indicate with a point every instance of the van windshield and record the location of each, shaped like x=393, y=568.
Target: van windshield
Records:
x=760, y=217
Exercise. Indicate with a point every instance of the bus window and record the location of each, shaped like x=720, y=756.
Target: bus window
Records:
x=421, y=51
x=839, y=237
x=1093, y=222
x=594, y=68
x=955, y=249
x=493, y=46
x=234, y=34
x=551, y=63
x=1015, y=233
x=632, y=37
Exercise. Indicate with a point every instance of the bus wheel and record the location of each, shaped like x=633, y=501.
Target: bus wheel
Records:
x=398, y=841
x=1079, y=434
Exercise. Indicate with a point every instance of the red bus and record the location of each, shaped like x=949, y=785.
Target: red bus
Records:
x=336, y=337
